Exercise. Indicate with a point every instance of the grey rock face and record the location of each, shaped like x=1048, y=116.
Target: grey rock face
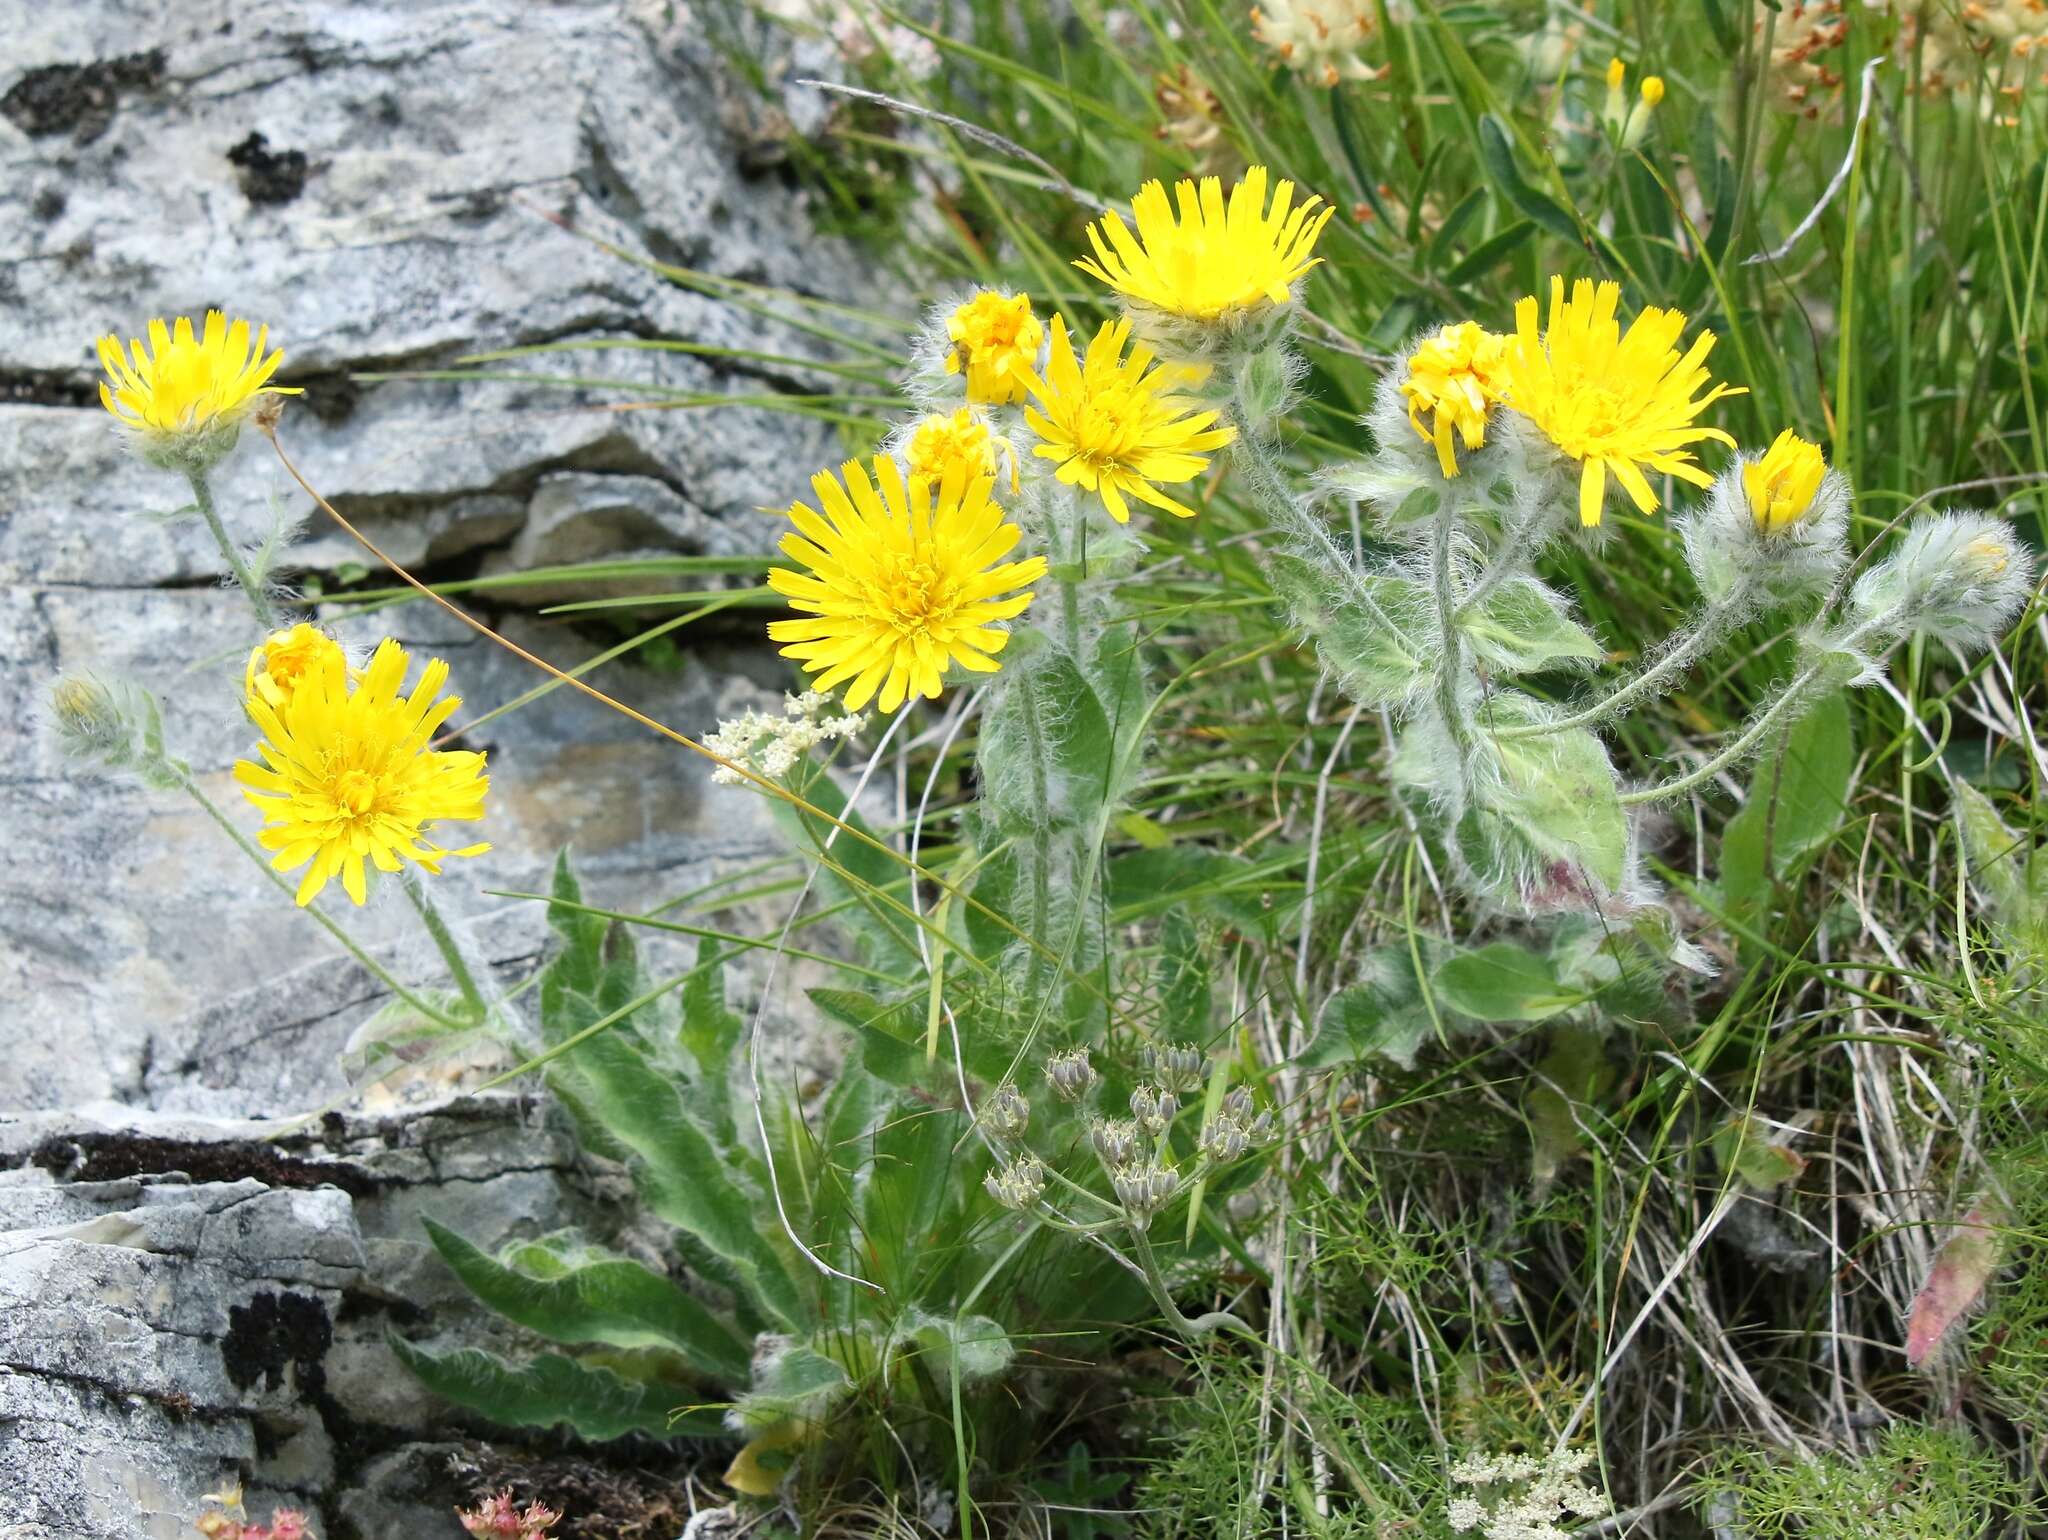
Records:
x=185, y=1305
x=191, y=1295
x=392, y=185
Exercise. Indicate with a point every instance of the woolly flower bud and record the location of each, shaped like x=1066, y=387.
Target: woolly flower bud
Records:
x=1070, y=1074
x=111, y=724
x=1455, y=375
x=1957, y=578
x=1154, y=1108
x=1019, y=1185
x=1178, y=1066
x=1006, y=1115
x=1775, y=523
x=1144, y=1189
x=1116, y=1144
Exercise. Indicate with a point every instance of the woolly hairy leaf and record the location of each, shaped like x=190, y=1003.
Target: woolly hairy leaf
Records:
x=1549, y=817
x=978, y=1346
x=612, y=1300
x=1384, y=1018
x=1961, y=1269
x=1572, y=1076
x=795, y=1382
x=1502, y=982
x=1796, y=800
x=1745, y=1149
x=549, y=1390
x=1522, y=628
x=1377, y=666
x=2009, y=870
x=680, y=1172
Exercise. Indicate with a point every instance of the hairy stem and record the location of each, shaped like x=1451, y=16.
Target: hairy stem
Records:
x=445, y=943
x=202, y=497
x=1451, y=656
x=1713, y=622
x=1254, y=458
x=375, y=969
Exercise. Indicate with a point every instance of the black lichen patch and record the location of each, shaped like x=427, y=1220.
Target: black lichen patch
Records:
x=78, y=99
x=274, y=1332
x=109, y=1157
x=267, y=175
x=331, y=397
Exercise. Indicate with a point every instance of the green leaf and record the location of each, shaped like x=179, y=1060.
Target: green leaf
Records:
x=1377, y=666
x=681, y=1173
x=796, y=1382
x=2008, y=869
x=1571, y=1078
x=549, y=1390
x=1496, y=150
x=1798, y=794
x=1548, y=821
x=1490, y=253
x=1745, y=1148
x=890, y=1032
x=1523, y=629
x=1502, y=982
x=1382, y=1017
x=1183, y=980
x=977, y=1346
x=614, y=1301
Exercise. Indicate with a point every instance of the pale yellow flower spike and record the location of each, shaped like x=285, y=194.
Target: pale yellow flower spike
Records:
x=901, y=582
x=1783, y=482
x=347, y=774
x=1215, y=258
x=1618, y=404
x=1456, y=376
x=1111, y=427
x=184, y=383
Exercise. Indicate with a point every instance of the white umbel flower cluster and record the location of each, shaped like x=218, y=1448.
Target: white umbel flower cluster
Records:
x=1519, y=1497
x=770, y=746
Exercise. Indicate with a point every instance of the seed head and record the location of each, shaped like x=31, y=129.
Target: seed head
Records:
x=1155, y=1108
x=1070, y=1074
x=1019, y=1185
x=1144, y=1189
x=1006, y=1115
x=1116, y=1144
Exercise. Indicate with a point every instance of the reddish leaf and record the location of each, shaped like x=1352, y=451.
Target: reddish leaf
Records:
x=1963, y=1266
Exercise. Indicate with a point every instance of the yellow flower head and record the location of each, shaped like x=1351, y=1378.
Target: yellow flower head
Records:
x=1653, y=90
x=995, y=342
x=281, y=660
x=1107, y=423
x=347, y=775
x=1783, y=483
x=185, y=384
x=1614, y=403
x=1213, y=260
x=1986, y=558
x=1456, y=376
x=961, y=442
x=902, y=582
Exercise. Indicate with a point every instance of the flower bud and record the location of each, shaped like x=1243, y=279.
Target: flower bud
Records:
x=1638, y=126
x=1019, y=1185
x=1237, y=1101
x=1615, y=109
x=1070, y=1074
x=1144, y=1189
x=1957, y=578
x=1775, y=526
x=111, y=724
x=1006, y=1115
x=1154, y=1108
x=1116, y=1144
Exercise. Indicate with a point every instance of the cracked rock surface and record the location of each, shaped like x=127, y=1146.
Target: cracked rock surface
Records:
x=194, y=1290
